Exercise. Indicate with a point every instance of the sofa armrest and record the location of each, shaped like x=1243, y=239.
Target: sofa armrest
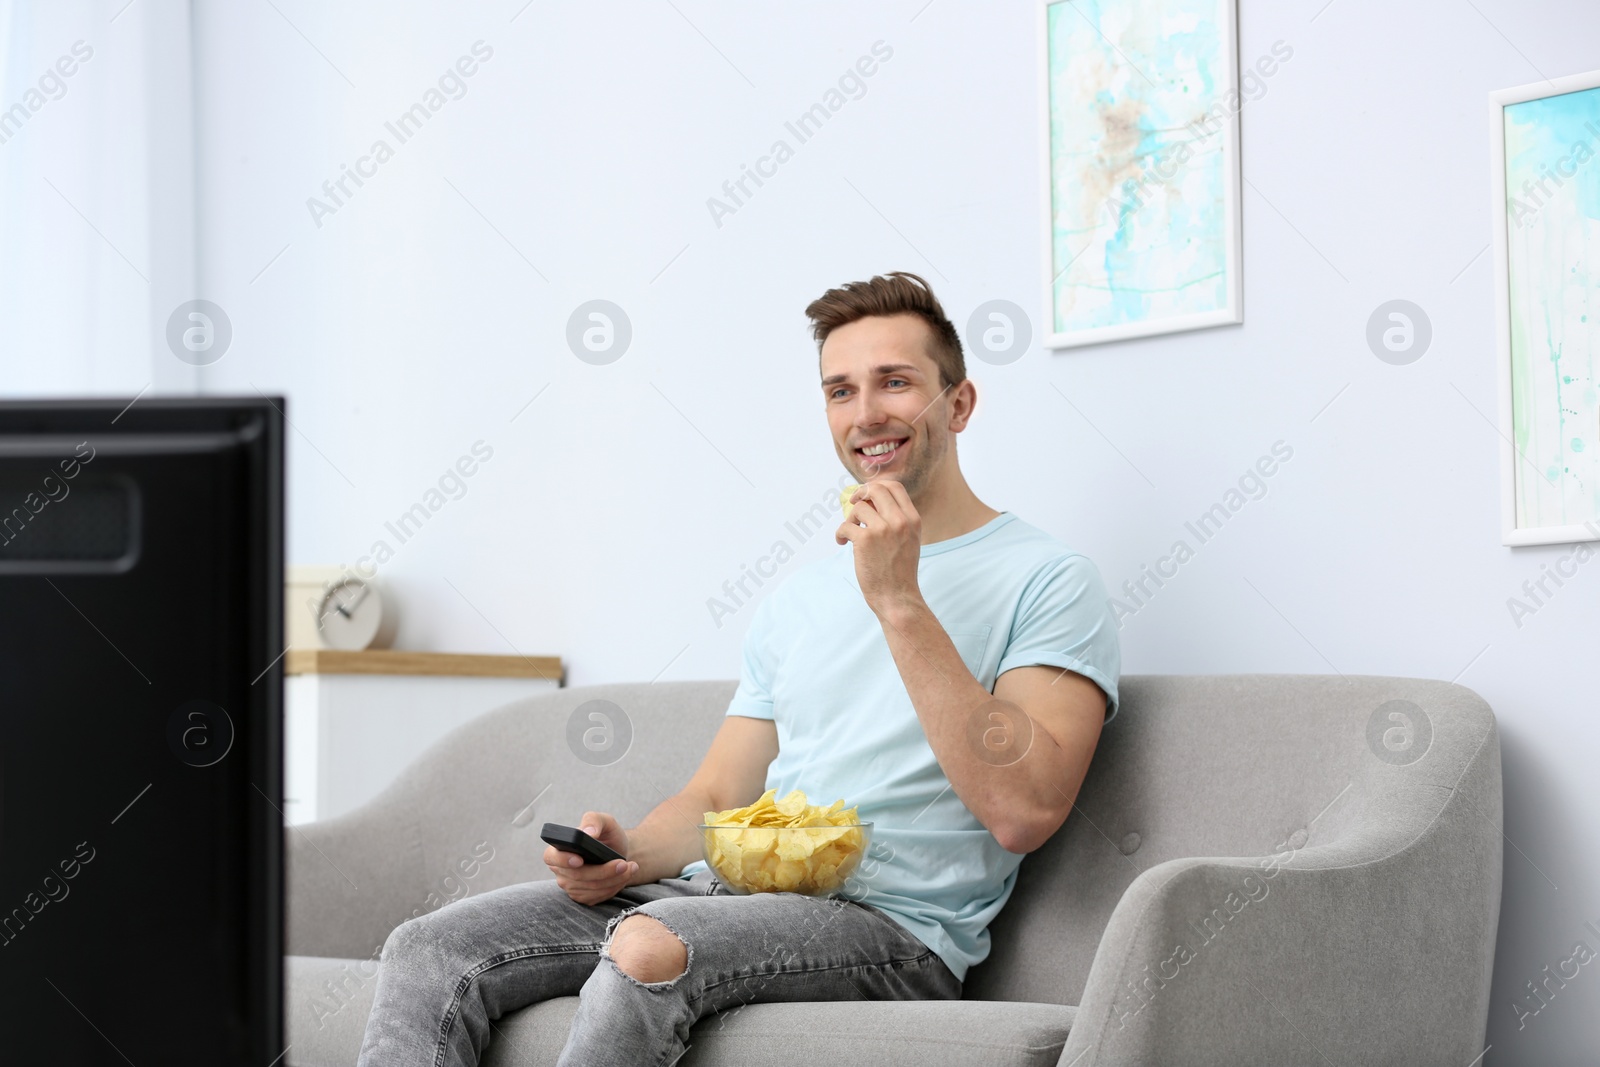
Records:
x=1376, y=947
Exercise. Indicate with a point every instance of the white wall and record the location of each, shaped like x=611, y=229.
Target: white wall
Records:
x=423, y=315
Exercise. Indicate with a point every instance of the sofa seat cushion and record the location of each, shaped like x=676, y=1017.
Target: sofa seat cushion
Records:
x=327, y=1002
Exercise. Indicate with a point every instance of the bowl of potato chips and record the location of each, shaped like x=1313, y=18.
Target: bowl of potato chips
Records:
x=785, y=846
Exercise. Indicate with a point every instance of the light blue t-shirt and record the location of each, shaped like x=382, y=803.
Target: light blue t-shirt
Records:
x=817, y=663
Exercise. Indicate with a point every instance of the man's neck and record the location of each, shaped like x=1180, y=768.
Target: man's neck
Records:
x=950, y=509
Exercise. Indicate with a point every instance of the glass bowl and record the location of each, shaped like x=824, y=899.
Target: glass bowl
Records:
x=814, y=861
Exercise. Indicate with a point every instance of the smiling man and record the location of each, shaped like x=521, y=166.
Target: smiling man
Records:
x=947, y=673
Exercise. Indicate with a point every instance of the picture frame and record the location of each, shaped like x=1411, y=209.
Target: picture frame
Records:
x=1088, y=298
x=1543, y=499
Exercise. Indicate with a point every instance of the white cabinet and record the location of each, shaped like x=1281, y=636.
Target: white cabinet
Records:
x=354, y=720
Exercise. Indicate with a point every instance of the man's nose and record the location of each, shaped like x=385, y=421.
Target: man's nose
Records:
x=870, y=411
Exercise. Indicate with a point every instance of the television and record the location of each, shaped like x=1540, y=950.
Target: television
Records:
x=141, y=711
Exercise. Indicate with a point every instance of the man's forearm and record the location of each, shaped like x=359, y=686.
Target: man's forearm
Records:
x=952, y=706
x=668, y=839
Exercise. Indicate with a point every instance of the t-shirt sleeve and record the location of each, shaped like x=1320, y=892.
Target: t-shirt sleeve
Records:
x=1064, y=620
x=753, y=697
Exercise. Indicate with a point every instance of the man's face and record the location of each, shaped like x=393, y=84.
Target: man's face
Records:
x=887, y=409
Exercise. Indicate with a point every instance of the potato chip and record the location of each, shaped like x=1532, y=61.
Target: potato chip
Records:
x=789, y=875
x=794, y=846
x=844, y=500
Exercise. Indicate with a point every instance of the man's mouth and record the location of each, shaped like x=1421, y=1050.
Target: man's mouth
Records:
x=880, y=453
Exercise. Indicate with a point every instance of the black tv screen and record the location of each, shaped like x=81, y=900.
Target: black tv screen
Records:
x=141, y=695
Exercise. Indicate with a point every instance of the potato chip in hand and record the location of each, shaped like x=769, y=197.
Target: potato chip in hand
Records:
x=844, y=500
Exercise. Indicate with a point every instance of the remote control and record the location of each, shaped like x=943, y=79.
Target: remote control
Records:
x=572, y=839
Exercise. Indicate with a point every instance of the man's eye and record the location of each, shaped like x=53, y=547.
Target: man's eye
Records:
x=902, y=381
x=835, y=394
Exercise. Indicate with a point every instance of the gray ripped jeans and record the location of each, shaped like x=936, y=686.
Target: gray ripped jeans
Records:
x=446, y=976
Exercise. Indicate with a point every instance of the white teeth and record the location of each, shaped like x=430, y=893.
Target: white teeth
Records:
x=879, y=449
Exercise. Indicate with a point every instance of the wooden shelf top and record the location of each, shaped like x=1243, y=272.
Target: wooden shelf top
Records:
x=440, y=664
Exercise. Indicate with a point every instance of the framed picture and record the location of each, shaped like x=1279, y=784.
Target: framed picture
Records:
x=1140, y=104
x=1545, y=139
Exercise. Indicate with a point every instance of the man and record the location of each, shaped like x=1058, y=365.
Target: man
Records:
x=947, y=673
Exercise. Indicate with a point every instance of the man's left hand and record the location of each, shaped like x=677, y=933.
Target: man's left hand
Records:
x=887, y=533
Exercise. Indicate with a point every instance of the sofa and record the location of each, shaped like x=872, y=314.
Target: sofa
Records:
x=1259, y=869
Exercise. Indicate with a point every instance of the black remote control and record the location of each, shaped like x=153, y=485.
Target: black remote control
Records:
x=572, y=839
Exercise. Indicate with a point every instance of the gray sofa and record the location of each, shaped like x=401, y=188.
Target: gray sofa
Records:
x=1262, y=869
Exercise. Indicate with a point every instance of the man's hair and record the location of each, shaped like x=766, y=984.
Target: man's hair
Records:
x=898, y=293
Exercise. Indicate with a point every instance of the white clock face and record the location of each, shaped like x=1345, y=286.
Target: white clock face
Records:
x=350, y=615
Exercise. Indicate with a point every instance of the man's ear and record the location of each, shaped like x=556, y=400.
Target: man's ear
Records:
x=963, y=400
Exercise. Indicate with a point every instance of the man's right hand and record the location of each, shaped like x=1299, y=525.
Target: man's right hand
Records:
x=593, y=883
